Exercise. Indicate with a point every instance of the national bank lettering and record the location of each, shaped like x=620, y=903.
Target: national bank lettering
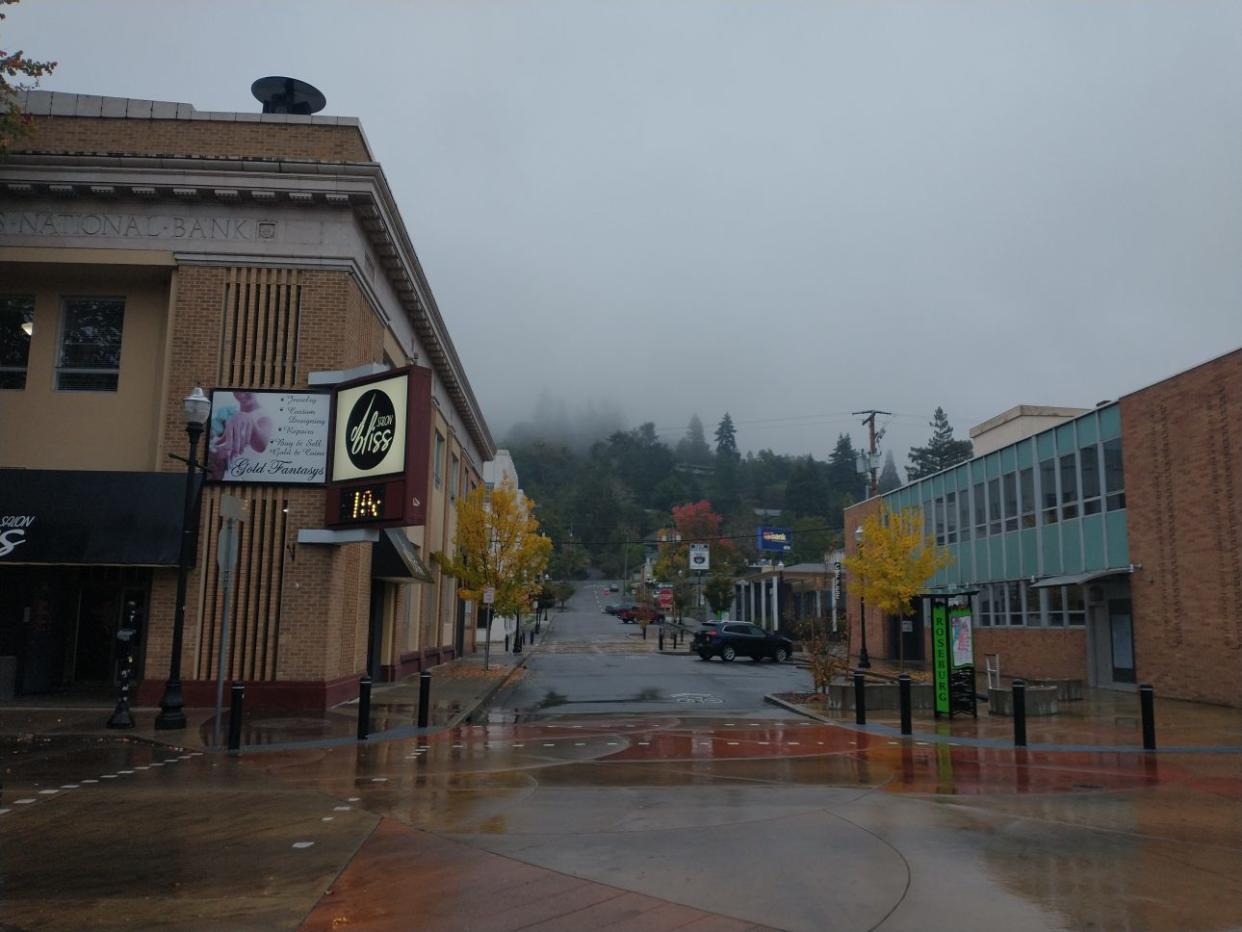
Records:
x=135, y=226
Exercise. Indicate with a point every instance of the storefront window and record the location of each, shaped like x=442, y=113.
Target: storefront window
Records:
x=16, y=327
x=90, y=345
x=1075, y=605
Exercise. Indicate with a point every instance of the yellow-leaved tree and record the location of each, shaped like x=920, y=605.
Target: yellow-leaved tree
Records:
x=497, y=546
x=894, y=560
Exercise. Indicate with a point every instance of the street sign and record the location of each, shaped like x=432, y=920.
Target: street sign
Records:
x=700, y=558
x=489, y=596
x=665, y=597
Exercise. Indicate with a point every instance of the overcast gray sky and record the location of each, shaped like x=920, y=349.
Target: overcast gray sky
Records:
x=779, y=209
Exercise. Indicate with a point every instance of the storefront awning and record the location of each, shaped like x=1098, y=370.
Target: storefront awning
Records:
x=395, y=559
x=90, y=518
x=1077, y=579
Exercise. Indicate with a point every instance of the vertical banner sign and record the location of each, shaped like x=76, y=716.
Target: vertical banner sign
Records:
x=940, y=657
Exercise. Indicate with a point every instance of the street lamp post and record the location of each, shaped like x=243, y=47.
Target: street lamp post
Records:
x=864, y=659
x=197, y=408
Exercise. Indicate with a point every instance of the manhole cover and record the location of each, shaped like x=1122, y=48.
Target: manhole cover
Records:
x=706, y=698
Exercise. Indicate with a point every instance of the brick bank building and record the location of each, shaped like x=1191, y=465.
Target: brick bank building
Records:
x=146, y=248
x=1103, y=545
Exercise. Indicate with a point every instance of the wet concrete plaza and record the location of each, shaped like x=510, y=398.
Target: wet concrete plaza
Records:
x=619, y=806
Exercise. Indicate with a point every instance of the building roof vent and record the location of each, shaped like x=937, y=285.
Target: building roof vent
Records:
x=279, y=94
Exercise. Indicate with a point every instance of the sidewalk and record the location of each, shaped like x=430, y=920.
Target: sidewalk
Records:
x=458, y=689
x=1103, y=720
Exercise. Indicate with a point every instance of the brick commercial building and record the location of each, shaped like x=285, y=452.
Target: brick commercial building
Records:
x=146, y=248
x=1106, y=548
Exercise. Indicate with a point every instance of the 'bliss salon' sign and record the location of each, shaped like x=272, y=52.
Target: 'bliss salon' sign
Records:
x=370, y=436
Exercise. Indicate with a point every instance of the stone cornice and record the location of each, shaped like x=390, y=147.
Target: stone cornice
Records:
x=359, y=186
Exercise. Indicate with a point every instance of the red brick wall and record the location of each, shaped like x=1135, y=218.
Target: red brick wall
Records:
x=1182, y=446
x=1051, y=653
x=191, y=138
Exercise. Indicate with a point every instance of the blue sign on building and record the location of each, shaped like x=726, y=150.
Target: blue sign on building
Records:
x=778, y=539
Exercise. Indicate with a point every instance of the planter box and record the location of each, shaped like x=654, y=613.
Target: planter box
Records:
x=880, y=696
x=1040, y=700
x=1067, y=690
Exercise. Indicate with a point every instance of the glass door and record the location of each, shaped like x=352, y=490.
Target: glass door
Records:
x=1121, y=635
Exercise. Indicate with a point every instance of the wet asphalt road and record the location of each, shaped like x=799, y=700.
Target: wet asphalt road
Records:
x=592, y=663
x=636, y=812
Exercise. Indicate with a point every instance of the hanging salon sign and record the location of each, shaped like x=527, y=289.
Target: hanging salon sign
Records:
x=265, y=436
x=380, y=448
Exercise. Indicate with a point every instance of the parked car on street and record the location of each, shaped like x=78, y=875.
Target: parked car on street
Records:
x=730, y=639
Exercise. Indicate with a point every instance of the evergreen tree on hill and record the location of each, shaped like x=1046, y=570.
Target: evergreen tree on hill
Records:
x=693, y=448
x=941, y=452
x=889, y=477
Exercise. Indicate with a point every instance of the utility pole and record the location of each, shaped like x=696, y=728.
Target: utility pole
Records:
x=872, y=439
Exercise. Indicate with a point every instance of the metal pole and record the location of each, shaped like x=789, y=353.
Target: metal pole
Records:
x=864, y=659
x=364, y=708
x=222, y=654
x=1147, y=705
x=424, y=698
x=903, y=689
x=171, y=714
x=1019, y=713
x=860, y=699
x=236, y=707
x=487, y=641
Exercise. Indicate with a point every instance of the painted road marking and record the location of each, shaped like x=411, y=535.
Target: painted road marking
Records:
x=379, y=779
x=107, y=776
x=5, y=811
x=549, y=745
x=326, y=818
x=90, y=781
x=48, y=792
x=69, y=786
x=354, y=799
x=302, y=844
x=340, y=808
x=127, y=772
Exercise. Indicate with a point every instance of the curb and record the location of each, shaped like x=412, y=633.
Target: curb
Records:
x=496, y=687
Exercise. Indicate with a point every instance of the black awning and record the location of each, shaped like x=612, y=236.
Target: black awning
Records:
x=395, y=559
x=98, y=518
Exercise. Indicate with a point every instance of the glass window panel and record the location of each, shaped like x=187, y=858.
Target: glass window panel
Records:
x=90, y=344
x=981, y=519
x=1069, y=486
x=16, y=326
x=1009, y=483
x=994, y=506
x=950, y=518
x=963, y=514
x=1014, y=594
x=1026, y=489
x=985, y=605
x=1054, y=606
x=939, y=506
x=1075, y=606
x=1048, y=489
x=1114, y=475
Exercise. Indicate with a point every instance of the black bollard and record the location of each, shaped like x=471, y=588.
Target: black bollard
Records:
x=121, y=717
x=364, y=708
x=237, y=703
x=424, y=698
x=661, y=639
x=903, y=690
x=1147, y=705
x=860, y=699
x=1019, y=713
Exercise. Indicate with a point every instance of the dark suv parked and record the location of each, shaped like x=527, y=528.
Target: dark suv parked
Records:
x=729, y=639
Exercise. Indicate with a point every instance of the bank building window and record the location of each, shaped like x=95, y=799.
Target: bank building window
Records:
x=16, y=328
x=90, y=345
